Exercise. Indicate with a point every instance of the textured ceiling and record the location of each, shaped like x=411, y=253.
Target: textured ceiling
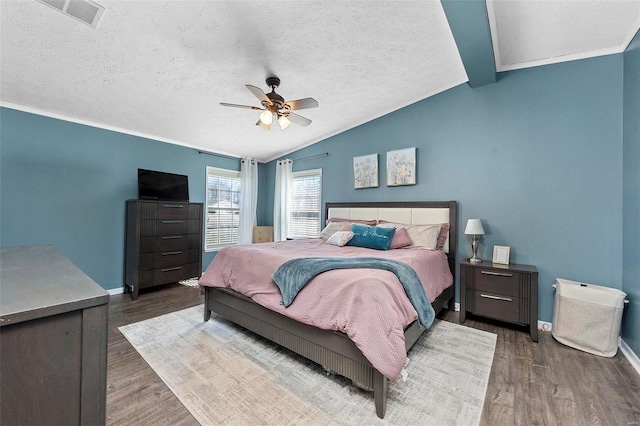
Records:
x=528, y=33
x=159, y=69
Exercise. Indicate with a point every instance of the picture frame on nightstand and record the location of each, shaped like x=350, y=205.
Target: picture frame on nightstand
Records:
x=501, y=255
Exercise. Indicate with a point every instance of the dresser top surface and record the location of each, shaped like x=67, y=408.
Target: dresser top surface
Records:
x=38, y=281
x=496, y=266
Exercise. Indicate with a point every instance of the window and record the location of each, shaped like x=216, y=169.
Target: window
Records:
x=223, y=208
x=305, y=202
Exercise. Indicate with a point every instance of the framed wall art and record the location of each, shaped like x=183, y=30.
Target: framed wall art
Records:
x=365, y=171
x=401, y=167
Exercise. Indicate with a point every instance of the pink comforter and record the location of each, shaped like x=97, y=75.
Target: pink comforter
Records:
x=369, y=305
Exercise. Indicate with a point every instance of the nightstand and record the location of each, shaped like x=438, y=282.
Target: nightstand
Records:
x=506, y=293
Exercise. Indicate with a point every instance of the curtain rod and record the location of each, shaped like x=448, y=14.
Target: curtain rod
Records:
x=218, y=155
x=324, y=154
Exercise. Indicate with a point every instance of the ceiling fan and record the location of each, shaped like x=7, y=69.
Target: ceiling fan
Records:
x=274, y=107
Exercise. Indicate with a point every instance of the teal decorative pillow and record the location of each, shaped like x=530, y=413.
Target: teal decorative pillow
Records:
x=372, y=237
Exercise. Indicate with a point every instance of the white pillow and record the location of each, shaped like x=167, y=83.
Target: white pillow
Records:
x=330, y=229
x=340, y=238
x=422, y=236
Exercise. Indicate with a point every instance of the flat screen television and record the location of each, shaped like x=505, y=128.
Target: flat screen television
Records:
x=161, y=186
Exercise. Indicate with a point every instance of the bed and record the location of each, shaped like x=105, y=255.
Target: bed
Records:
x=335, y=350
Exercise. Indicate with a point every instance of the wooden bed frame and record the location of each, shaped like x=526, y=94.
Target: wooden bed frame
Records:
x=331, y=349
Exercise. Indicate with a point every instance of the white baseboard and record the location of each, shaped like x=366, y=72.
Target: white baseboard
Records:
x=118, y=290
x=630, y=355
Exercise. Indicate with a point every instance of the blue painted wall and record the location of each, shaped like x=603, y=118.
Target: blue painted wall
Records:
x=66, y=184
x=266, y=186
x=631, y=195
x=537, y=156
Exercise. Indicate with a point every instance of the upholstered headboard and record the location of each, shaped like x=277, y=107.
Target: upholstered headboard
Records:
x=409, y=212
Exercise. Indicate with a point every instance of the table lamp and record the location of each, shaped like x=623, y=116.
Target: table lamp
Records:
x=474, y=227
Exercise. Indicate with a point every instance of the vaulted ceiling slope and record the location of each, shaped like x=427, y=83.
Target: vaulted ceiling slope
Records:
x=160, y=69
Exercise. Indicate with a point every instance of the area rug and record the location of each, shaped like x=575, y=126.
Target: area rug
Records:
x=191, y=282
x=224, y=374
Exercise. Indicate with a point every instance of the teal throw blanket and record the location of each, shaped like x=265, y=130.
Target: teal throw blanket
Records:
x=294, y=274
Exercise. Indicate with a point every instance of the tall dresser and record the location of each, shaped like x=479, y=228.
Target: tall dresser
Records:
x=164, y=243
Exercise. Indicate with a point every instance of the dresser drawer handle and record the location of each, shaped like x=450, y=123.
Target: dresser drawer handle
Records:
x=173, y=206
x=172, y=237
x=171, y=253
x=488, y=296
x=173, y=221
x=177, y=268
x=497, y=274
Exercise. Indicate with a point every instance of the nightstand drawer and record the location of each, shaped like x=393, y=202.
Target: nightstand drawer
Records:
x=497, y=306
x=496, y=281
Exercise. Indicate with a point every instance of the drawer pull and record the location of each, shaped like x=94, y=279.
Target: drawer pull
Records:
x=173, y=221
x=177, y=268
x=497, y=274
x=173, y=206
x=171, y=253
x=488, y=296
x=172, y=237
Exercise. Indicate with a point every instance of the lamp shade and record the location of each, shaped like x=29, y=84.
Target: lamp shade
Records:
x=474, y=227
x=284, y=122
x=266, y=117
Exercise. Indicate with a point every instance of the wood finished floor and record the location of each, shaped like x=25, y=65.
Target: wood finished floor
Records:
x=530, y=384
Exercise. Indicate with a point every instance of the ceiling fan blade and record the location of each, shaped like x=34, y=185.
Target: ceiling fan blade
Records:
x=298, y=119
x=258, y=93
x=241, y=106
x=301, y=104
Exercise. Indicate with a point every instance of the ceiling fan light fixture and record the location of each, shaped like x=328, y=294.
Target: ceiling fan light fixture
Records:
x=266, y=117
x=264, y=126
x=284, y=122
x=273, y=106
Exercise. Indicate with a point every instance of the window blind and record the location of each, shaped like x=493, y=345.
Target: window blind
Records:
x=223, y=208
x=304, y=204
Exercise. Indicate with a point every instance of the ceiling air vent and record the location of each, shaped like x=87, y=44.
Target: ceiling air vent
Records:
x=84, y=11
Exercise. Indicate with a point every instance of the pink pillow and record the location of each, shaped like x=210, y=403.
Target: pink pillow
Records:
x=442, y=237
x=400, y=239
x=346, y=227
x=444, y=229
x=360, y=221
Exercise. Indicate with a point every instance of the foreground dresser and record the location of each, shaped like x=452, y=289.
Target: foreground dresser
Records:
x=53, y=340
x=164, y=243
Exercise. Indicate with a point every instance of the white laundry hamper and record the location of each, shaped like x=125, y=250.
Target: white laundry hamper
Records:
x=587, y=316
